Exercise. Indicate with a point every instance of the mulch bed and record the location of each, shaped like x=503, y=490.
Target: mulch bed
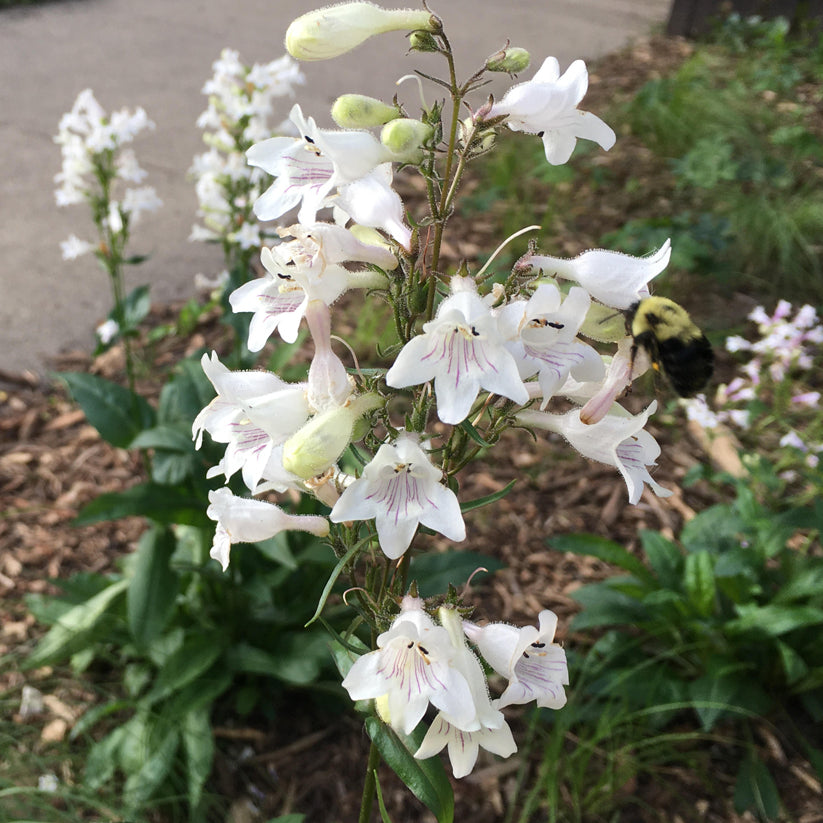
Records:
x=52, y=463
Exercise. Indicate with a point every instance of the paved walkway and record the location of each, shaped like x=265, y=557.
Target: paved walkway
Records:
x=157, y=54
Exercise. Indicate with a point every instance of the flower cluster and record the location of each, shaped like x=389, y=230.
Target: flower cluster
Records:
x=241, y=103
x=468, y=362
x=782, y=375
x=94, y=158
x=418, y=662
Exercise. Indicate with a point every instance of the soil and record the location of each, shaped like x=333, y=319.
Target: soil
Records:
x=52, y=463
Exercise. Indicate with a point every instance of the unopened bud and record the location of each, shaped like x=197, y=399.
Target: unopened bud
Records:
x=320, y=442
x=512, y=60
x=335, y=30
x=405, y=137
x=422, y=41
x=356, y=111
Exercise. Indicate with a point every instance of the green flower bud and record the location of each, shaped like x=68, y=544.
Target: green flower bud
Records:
x=405, y=137
x=335, y=30
x=356, y=111
x=320, y=442
x=512, y=60
x=422, y=41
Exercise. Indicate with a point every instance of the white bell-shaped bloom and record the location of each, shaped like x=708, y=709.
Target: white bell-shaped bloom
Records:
x=400, y=488
x=542, y=336
x=254, y=411
x=547, y=105
x=534, y=665
x=617, y=440
x=308, y=168
x=615, y=279
x=412, y=666
x=309, y=267
x=241, y=520
x=488, y=728
x=462, y=350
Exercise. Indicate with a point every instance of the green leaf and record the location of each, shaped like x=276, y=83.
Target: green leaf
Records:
x=426, y=779
x=774, y=620
x=336, y=572
x=150, y=601
x=186, y=394
x=101, y=759
x=605, y=550
x=434, y=572
x=794, y=666
x=142, y=785
x=94, y=715
x=713, y=696
x=698, y=581
x=118, y=414
x=169, y=436
x=198, y=744
x=74, y=628
x=136, y=306
x=755, y=789
x=489, y=498
x=806, y=583
x=163, y=504
x=715, y=529
x=197, y=654
x=602, y=606
x=296, y=665
x=665, y=559
x=472, y=432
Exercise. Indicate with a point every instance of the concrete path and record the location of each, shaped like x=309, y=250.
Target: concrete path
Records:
x=157, y=54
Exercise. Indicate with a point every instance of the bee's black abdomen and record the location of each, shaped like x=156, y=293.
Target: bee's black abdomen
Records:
x=688, y=365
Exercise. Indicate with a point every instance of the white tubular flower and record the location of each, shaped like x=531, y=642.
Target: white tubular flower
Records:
x=412, y=666
x=543, y=338
x=310, y=167
x=534, y=665
x=241, y=520
x=400, y=488
x=254, y=411
x=329, y=385
x=74, y=247
x=372, y=202
x=547, y=105
x=301, y=270
x=617, y=440
x=488, y=728
x=329, y=32
x=463, y=351
x=615, y=279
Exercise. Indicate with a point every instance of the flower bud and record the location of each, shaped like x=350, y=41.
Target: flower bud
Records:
x=335, y=30
x=422, y=41
x=321, y=441
x=405, y=137
x=511, y=60
x=356, y=111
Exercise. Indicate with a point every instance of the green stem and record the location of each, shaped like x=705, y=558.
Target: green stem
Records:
x=369, y=785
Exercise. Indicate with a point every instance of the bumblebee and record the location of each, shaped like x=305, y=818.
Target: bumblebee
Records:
x=674, y=344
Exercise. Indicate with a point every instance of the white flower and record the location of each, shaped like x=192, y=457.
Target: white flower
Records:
x=412, y=666
x=136, y=201
x=615, y=279
x=310, y=267
x=48, y=782
x=463, y=747
x=617, y=440
x=400, y=488
x=698, y=411
x=254, y=411
x=240, y=520
x=108, y=331
x=74, y=247
x=335, y=30
x=547, y=105
x=372, y=202
x=310, y=167
x=462, y=350
x=488, y=728
x=534, y=665
x=543, y=338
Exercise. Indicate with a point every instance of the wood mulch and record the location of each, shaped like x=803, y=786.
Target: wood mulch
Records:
x=52, y=463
